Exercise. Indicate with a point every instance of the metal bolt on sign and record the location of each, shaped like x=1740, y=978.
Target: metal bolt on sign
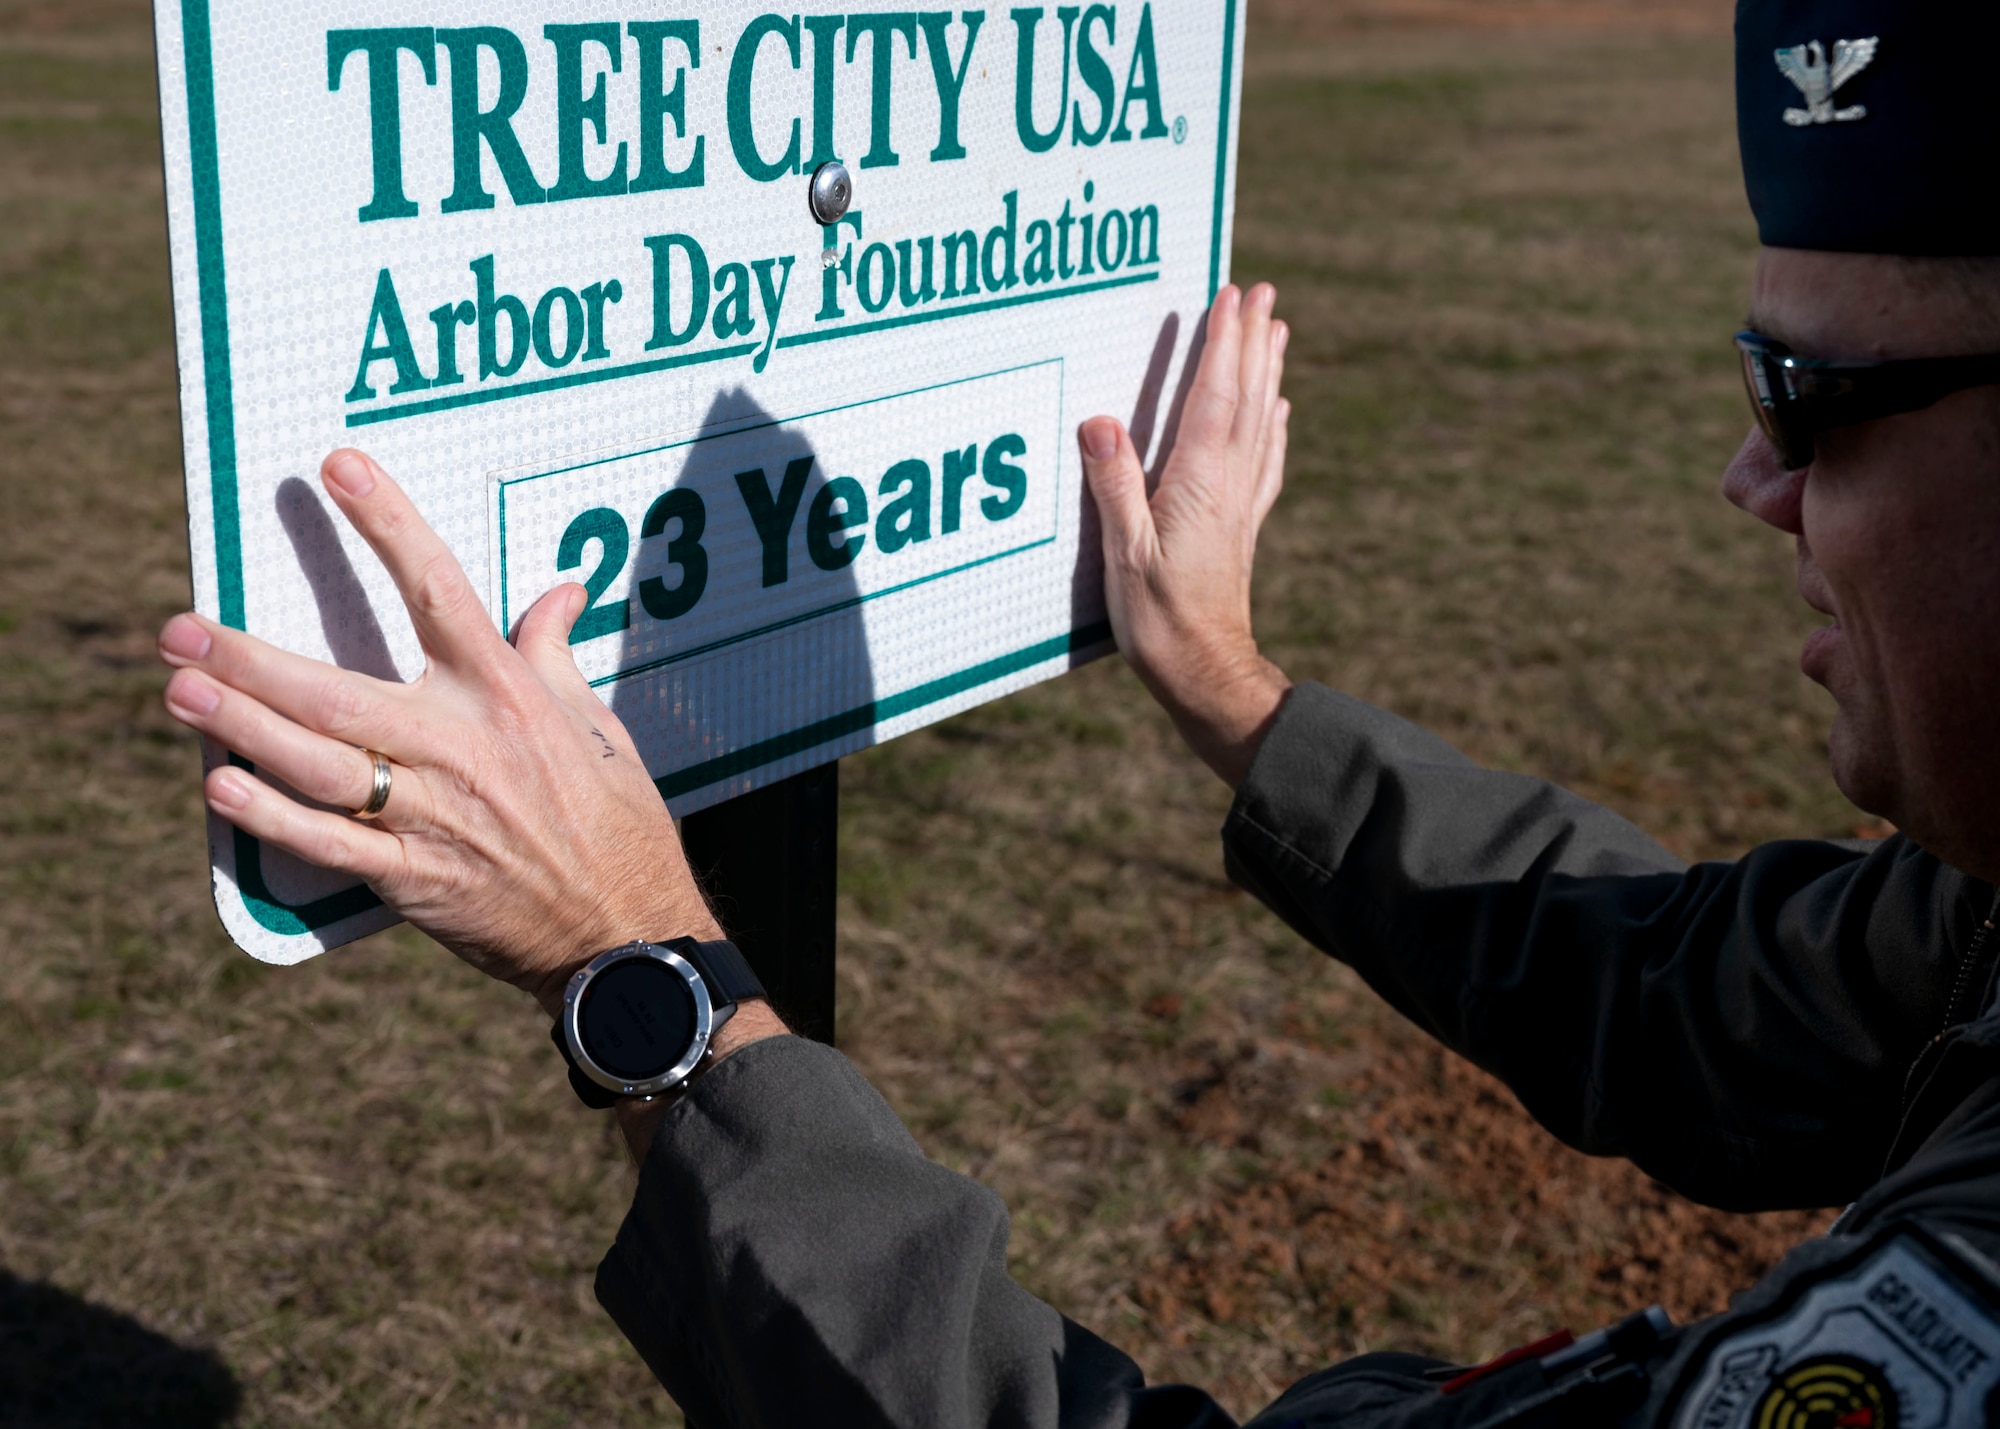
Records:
x=831, y=191
x=827, y=198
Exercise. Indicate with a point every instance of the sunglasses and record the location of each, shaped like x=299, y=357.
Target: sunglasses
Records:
x=1796, y=398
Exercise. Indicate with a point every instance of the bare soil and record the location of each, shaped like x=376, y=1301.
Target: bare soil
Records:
x=1438, y=1177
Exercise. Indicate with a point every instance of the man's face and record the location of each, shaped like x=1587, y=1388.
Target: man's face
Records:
x=1898, y=527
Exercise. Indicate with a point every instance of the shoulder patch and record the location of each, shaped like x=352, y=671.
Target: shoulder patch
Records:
x=1907, y=1336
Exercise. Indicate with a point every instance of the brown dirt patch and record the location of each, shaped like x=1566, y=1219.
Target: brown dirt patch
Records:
x=1437, y=1185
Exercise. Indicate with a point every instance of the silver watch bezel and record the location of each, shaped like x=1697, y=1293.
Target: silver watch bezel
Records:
x=706, y=1020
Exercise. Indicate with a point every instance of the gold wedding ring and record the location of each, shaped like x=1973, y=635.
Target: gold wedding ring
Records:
x=378, y=797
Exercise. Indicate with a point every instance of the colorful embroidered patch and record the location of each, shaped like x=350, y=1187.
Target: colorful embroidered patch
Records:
x=1907, y=1337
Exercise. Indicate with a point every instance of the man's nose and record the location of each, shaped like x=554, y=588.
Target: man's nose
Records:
x=1757, y=481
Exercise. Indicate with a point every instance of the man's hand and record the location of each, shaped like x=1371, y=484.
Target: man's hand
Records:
x=521, y=830
x=1177, y=565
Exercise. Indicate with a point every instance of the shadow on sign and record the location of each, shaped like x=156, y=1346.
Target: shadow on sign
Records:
x=729, y=718
x=1088, y=618
x=353, y=634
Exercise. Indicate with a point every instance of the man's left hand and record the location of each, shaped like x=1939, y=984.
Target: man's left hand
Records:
x=521, y=830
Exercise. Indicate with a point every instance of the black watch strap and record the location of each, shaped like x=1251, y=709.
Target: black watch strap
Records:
x=588, y=1092
x=723, y=967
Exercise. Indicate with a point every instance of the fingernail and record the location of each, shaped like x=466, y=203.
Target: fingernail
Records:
x=229, y=790
x=352, y=472
x=190, y=694
x=185, y=638
x=1100, y=438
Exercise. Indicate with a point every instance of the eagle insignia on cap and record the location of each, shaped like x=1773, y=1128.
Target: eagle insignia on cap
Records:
x=1806, y=66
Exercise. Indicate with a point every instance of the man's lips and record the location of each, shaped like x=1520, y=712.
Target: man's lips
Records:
x=1811, y=586
x=1818, y=648
x=1814, y=594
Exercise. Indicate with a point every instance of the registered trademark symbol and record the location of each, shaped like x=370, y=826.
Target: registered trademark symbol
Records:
x=1180, y=130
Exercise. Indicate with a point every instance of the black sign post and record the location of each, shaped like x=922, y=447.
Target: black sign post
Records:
x=766, y=859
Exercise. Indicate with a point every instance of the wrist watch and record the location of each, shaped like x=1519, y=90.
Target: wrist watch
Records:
x=637, y=1021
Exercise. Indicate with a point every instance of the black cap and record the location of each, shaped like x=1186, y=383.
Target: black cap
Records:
x=1871, y=126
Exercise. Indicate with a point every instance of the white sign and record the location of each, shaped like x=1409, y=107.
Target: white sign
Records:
x=554, y=268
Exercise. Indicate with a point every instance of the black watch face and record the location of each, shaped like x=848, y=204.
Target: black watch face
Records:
x=637, y=1019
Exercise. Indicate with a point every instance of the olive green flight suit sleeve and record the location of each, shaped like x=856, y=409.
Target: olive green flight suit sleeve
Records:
x=792, y=1258
x=1739, y=1030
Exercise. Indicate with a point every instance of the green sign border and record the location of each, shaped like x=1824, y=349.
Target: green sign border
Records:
x=218, y=402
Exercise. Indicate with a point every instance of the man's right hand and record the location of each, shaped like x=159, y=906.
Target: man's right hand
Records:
x=1177, y=563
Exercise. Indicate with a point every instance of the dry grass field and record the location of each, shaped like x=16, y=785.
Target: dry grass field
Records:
x=357, y=1193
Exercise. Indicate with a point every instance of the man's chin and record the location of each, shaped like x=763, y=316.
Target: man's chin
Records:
x=1949, y=819
x=1862, y=774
